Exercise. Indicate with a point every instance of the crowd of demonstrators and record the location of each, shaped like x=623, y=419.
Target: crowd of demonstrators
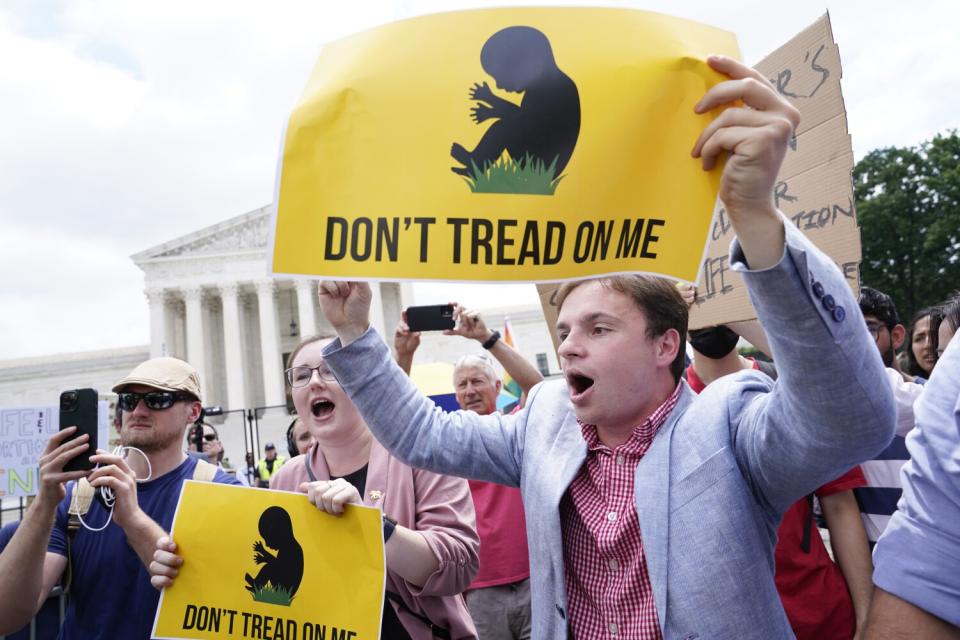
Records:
x=660, y=500
x=431, y=544
x=103, y=570
x=499, y=596
x=656, y=511
x=268, y=465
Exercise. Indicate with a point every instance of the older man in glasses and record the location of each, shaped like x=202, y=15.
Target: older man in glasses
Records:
x=209, y=445
x=110, y=593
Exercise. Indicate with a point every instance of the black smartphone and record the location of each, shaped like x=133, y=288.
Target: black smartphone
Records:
x=435, y=317
x=78, y=408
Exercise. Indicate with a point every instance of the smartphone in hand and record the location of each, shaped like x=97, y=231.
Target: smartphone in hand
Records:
x=78, y=408
x=435, y=317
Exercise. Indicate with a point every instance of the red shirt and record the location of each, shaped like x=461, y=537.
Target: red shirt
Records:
x=697, y=385
x=503, y=535
x=812, y=587
x=502, y=527
x=608, y=587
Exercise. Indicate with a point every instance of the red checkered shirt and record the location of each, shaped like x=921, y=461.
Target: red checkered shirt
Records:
x=608, y=586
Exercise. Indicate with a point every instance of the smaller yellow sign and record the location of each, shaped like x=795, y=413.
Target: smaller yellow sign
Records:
x=270, y=565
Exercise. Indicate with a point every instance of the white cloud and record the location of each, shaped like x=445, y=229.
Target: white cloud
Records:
x=126, y=124
x=64, y=291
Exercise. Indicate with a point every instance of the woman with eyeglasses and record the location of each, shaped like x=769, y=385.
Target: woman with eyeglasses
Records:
x=432, y=547
x=429, y=526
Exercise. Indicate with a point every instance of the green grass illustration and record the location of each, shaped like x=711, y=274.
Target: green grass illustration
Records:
x=506, y=175
x=272, y=595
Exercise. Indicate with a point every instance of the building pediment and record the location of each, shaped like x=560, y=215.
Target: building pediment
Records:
x=241, y=234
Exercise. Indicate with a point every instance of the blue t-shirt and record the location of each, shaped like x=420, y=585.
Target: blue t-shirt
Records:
x=48, y=618
x=110, y=595
x=6, y=534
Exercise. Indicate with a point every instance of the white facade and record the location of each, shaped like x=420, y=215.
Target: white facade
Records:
x=212, y=304
x=39, y=381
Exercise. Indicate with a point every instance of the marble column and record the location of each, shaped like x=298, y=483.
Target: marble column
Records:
x=157, y=299
x=306, y=291
x=196, y=347
x=270, y=344
x=233, y=346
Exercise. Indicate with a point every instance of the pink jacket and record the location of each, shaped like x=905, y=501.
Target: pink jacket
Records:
x=438, y=507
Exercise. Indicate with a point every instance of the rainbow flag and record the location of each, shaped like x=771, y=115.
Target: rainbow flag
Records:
x=509, y=384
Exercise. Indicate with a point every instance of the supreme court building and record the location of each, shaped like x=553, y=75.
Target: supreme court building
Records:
x=213, y=304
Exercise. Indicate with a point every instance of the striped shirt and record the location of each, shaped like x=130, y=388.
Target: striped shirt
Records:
x=878, y=500
x=608, y=587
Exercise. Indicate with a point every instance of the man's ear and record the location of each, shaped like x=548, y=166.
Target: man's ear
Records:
x=897, y=335
x=669, y=345
x=195, y=408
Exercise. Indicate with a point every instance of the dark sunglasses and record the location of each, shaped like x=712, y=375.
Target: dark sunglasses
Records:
x=209, y=437
x=154, y=400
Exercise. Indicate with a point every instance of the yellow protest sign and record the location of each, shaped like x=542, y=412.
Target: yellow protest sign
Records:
x=266, y=564
x=530, y=144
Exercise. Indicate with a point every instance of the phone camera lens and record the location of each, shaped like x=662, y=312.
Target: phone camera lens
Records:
x=68, y=401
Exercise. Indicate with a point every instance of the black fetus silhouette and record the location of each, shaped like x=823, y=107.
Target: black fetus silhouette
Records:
x=285, y=570
x=546, y=123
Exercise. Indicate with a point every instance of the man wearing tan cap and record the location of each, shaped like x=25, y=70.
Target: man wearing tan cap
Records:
x=110, y=593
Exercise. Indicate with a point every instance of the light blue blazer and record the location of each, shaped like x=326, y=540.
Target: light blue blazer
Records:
x=712, y=488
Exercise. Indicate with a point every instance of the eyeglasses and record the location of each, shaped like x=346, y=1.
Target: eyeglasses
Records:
x=874, y=329
x=154, y=400
x=209, y=437
x=301, y=376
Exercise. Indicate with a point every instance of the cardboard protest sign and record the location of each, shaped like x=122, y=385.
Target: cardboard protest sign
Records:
x=526, y=144
x=813, y=189
x=24, y=432
x=272, y=566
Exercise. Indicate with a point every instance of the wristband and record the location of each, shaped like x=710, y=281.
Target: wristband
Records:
x=389, y=524
x=492, y=340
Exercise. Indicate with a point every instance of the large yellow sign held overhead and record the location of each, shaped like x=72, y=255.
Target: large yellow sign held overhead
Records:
x=270, y=565
x=504, y=144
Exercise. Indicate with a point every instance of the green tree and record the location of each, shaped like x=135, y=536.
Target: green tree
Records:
x=908, y=206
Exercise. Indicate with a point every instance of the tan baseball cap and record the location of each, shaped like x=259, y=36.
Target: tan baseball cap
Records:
x=166, y=374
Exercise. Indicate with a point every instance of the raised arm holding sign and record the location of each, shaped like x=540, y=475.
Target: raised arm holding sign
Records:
x=710, y=476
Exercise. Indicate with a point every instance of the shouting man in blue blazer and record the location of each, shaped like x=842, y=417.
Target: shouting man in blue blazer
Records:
x=651, y=512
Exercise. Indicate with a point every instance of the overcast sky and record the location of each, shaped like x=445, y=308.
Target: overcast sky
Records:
x=126, y=124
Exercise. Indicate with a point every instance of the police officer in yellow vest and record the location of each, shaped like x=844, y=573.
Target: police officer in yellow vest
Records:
x=268, y=465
